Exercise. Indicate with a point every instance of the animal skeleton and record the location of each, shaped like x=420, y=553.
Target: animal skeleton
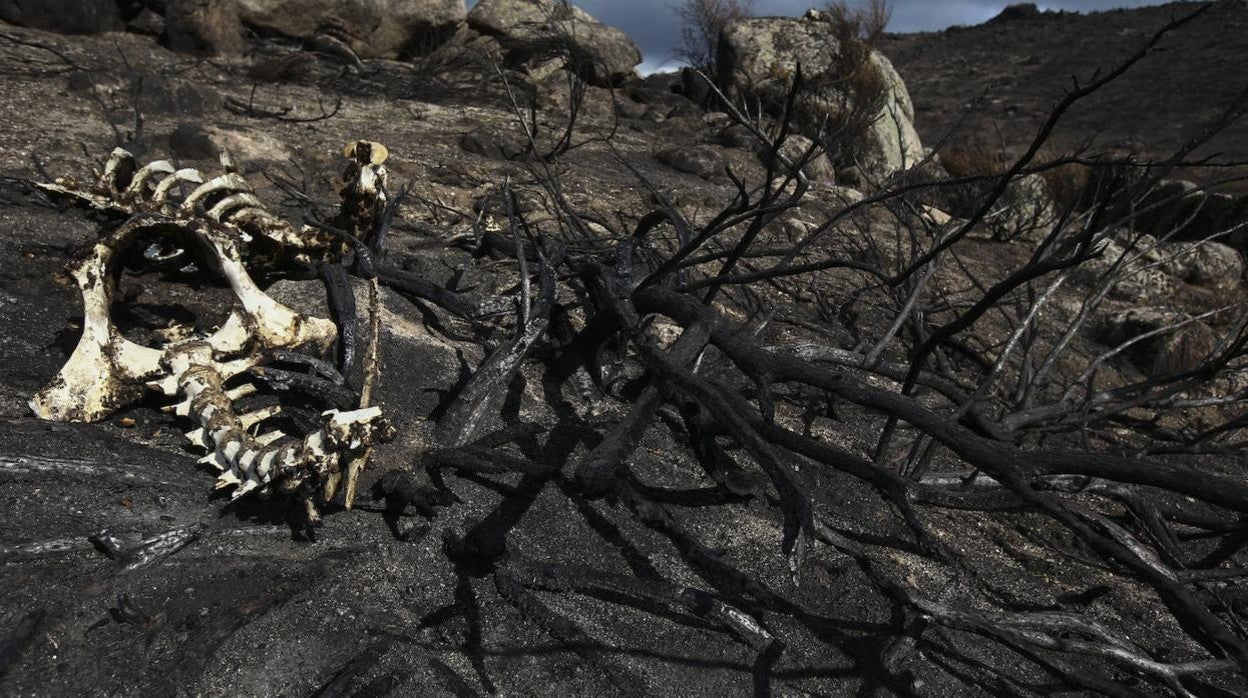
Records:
x=229, y=224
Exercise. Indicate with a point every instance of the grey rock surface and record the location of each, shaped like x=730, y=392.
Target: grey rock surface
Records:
x=372, y=28
x=539, y=29
x=705, y=161
x=203, y=27
x=64, y=16
x=758, y=58
x=1211, y=264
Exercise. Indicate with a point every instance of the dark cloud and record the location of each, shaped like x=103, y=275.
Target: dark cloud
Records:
x=654, y=26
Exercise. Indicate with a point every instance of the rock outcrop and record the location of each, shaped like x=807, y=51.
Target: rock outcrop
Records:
x=203, y=27
x=1162, y=341
x=663, y=93
x=538, y=30
x=705, y=161
x=818, y=168
x=1020, y=11
x=1210, y=264
x=371, y=28
x=1183, y=210
x=758, y=59
x=64, y=16
x=1025, y=212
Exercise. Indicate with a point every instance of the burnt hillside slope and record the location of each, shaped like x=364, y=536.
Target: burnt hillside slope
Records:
x=993, y=84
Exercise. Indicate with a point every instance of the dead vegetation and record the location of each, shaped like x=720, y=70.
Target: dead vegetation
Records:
x=971, y=374
x=857, y=32
x=913, y=402
x=702, y=21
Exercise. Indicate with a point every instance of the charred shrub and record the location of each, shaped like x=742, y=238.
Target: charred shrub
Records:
x=702, y=21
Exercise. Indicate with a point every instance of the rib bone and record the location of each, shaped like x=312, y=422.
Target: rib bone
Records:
x=124, y=191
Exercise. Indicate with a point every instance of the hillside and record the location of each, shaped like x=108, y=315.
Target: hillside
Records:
x=993, y=84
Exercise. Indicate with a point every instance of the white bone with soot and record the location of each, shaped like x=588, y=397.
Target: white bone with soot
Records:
x=126, y=189
x=94, y=382
x=106, y=369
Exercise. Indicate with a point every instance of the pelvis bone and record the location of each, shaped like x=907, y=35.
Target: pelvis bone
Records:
x=105, y=367
x=221, y=219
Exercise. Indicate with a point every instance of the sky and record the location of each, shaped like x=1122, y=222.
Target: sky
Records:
x=653, y=25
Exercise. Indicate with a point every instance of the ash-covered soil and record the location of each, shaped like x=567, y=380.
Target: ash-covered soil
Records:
x=374, y=604
x=255, y=608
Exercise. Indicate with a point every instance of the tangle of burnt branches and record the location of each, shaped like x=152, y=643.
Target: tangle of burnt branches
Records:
x=974, y=397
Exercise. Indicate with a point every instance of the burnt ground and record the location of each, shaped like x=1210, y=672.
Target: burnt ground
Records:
x=451, y=606
x=992, y=85
x=253, y=607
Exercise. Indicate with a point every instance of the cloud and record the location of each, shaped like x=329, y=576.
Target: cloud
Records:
x=655, y=28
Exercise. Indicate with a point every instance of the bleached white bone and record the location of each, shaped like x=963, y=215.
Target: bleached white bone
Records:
x=251, y=419
x=227, y=182
x=242, y=391
x=105, y=367
x=182, y=409
x=261, y=222
x=247, y=421
x=188, y=175
x=254, y=462
x=69, y=188
x=228, y=339
x=238, y=208
x=222, y=208
x=116, y=159
x=95, y=379
x=138, y=182
x=227, y=479
x=275, y=325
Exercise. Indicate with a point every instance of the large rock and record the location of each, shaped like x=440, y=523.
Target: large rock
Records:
x=1021, y=11
x=705, y=161
x=207, y=27
x=758, y=58
x=1182, y=210
x=1137, y=264
x=1165, y=341
x=64, y=16
x=1026, y=211
x=1210, y=264
x=663, y=93
x=818, y=169
x=540, y=29
x=372, y=28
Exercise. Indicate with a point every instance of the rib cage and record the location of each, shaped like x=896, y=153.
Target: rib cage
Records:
x=224, y=217
x=125, y=189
